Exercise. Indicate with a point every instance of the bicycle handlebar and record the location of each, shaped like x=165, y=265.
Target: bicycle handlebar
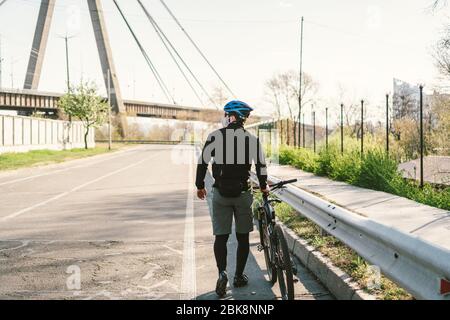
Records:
x=279, y=184
x=282, y=183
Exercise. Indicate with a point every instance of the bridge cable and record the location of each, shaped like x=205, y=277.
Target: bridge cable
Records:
x=2, y=2
x=147, y=58
x=160, y=33
x=197, y=48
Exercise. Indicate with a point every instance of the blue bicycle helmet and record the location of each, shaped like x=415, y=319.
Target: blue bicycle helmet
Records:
x=239, y=108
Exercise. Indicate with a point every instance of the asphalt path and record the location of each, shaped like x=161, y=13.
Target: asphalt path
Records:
x=125, y=225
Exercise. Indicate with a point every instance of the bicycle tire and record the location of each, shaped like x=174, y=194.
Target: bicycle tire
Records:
x=284, y=273
x=271, y=270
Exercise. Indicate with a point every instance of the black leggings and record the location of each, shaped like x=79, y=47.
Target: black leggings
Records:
x=243, y=249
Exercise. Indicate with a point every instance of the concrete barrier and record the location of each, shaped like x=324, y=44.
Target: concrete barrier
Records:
x=22, y=134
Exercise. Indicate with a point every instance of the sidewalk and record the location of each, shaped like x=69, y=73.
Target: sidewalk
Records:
x=429, y=223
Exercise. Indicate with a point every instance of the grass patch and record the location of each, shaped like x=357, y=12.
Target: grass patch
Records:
x=374, y=170
x=12, y=161
x=340, y=255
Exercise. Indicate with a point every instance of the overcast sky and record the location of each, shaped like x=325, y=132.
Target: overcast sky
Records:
x=359, y=44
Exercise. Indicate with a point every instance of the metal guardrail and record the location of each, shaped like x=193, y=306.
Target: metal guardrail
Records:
x=421, y=268
x=148, y=142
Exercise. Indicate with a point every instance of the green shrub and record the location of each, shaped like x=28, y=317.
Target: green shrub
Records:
x=378, y=171
x=300, y=158
x=326, y=157
x=346, y=167
x=375, y=170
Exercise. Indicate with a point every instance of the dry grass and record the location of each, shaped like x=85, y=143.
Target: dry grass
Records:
x=340, y=255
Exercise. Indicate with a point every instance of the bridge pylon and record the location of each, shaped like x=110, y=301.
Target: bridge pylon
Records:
x=103, y=46
x=39, y=44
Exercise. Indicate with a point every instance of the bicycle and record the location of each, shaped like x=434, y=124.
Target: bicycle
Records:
x=279, y=265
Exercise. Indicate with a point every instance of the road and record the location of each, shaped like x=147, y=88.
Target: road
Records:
x=118, y=226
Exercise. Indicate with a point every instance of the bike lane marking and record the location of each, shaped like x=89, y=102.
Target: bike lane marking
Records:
x=189, y=276
x=63, y=194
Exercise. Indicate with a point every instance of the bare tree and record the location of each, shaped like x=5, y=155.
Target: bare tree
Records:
x=438, y=4
x=219, y=96
x=442, y=54
x=283, y=92
x=442, y=49
x=351, y=109
x=273, y=91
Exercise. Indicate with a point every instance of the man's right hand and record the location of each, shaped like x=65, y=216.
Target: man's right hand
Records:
x=266, y=190
x=201, y=194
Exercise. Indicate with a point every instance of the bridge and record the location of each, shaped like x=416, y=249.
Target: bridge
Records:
x=30, y=99
x=28, y=102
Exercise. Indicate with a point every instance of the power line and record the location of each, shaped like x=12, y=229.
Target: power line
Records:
x=160, y=33
x=147, y=58
x=196, y=47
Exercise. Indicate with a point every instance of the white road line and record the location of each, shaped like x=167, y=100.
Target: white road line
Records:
x=125, y=152
x=189, y=277
x=40, y=204
x=24, y=244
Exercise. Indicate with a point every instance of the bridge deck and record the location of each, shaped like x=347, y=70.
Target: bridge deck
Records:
x=29, y=101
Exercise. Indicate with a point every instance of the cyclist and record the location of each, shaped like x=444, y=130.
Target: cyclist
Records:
x=232, y=150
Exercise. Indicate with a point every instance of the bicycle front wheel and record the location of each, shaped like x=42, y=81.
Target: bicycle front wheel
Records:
x=268, y=251
x=284, y=265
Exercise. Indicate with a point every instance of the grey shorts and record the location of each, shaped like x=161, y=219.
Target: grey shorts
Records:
x=223, y=210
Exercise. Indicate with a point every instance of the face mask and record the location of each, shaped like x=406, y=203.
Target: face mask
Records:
x=225, y=121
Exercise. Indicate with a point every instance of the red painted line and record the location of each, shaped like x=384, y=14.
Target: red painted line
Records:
x=445, y=286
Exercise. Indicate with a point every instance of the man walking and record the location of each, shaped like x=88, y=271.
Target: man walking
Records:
x=232, y=151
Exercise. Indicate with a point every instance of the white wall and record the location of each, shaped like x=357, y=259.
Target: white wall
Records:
x=22, y=134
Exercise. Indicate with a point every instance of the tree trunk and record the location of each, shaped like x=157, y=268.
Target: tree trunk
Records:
x=86, y=134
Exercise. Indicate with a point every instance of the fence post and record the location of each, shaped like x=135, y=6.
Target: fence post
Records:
x=342, y=128
x=421, y=136
x=314, y=131
x=326, y=127
x=304, y=131
x=288, y=138
x=362, y=127
x=387, y=123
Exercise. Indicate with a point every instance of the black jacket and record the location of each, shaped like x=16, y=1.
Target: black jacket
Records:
x=233, y=150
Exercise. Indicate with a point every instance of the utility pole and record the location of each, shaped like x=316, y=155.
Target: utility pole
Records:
x=342, y=128
x=66, y=40
x=421, y=136
x=109, y=111
x=300, y=86
x=387, y=123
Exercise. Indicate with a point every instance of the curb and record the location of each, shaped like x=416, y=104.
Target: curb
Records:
x=333, y=278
